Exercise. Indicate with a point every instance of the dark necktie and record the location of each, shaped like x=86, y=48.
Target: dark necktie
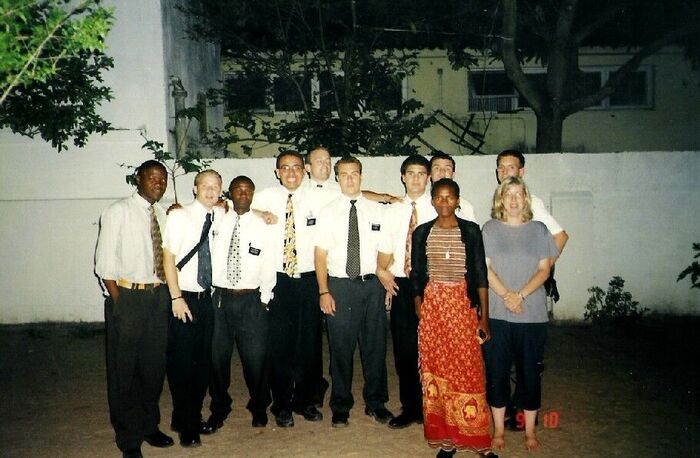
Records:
x=157, y=246
x=352, y=265
x=204, y=256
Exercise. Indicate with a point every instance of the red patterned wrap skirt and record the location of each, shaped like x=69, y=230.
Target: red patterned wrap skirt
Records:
x=455, y=412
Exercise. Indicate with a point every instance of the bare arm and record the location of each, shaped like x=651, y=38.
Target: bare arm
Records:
x=112, y=289
x=181, y=310
x=381, y=198
x=484, y=320
x=384, y=261
x=325, y=297
x=560, y=239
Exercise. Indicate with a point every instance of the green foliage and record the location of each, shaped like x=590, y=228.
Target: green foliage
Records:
x=50, y=68
x=615, y=306
x=693, y=269
x=356, y=110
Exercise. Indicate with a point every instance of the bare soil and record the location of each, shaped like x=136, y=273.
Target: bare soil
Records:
x=604, y=394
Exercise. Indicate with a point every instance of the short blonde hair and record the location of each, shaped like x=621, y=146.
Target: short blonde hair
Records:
x=207, y=172
x=498, y=210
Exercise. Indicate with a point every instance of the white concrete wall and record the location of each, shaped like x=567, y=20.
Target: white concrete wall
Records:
x=628, y=214
x=49, y=202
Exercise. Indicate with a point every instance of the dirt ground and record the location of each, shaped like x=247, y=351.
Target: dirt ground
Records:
x=604, y=395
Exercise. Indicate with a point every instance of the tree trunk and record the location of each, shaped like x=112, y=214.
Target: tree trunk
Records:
x=549, y=131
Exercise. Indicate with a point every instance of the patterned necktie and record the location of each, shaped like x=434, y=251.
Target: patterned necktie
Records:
x=234, y=260
x=204, y=256
x=411, y=227
x=352, y=265
x=290, y=249
x=157, y=246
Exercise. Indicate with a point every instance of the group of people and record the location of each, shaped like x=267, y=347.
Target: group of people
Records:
x=269, y=273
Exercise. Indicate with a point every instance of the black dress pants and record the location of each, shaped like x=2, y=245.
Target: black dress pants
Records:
x=189, y=360
x=137, y=337
x=294, y=342
x=243, y=321
x=360, y=317
x=404, y=333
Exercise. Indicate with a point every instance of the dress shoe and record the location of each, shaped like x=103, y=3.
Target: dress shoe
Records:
x=211, y=426
x=132, y=453
x=320, y=393
x=310, y=413
x=380, y=415
x=158, y=439
x=259, y=420
x=284, y=419
x=340, y=419
x=445, y=453
x=190, y=439
x=404, y=420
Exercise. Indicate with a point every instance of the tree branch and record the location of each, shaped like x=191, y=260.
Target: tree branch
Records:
x=601, y=19
x=623, y=72
x=510, y=58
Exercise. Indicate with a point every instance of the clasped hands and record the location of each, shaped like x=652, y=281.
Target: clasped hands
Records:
x=513, y=301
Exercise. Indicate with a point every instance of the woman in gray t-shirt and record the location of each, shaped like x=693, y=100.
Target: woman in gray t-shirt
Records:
x=519, y=253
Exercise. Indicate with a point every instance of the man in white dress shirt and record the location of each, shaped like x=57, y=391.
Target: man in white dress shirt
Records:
x=128, y=259
x=394, y=265
x=294, y=346
x=243, y=272
x=347, y=242
x=187, y=241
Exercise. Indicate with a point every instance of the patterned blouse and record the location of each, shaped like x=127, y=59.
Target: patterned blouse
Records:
x=446, y=254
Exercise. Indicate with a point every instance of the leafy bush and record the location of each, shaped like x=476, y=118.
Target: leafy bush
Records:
x=614, y=306
x=693, y=270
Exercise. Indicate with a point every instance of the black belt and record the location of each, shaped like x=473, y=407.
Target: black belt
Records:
x=238, y=292
x=364, y=277
x=198, y=295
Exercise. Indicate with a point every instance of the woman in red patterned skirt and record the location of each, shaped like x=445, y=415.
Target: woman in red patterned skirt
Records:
x=449, y=276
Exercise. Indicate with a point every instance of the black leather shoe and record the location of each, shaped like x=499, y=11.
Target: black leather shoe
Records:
x=380, y=415
x=158, y=439
x=404, y=420
x=190, y=439
x=132, y=453
x=211, y=426
x=340, y=419
x=310, y=413
x=284, y=419
x=445, y=453
x=259, y=420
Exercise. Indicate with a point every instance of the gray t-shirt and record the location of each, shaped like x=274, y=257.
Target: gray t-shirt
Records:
x=515, y=252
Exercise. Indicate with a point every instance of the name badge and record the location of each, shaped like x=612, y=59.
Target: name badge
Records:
x=254, y=251
x=376, y=227
x=310, y=221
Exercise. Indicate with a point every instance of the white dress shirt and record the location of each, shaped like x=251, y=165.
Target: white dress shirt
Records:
x=182, y=232
x=274, y=200
x=256, y=253
x=398, y=218
x=540, y=213
x=332, y=234
x=321, y=194
x=329, y=185
x=124, y=246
